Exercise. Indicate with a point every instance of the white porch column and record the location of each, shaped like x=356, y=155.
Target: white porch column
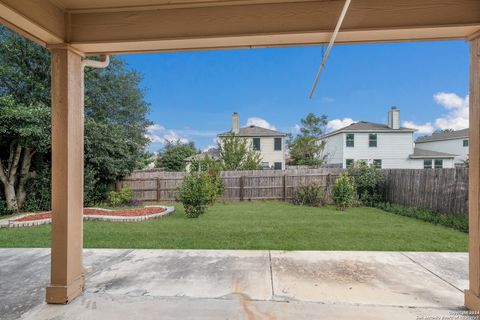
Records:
x=67, y=278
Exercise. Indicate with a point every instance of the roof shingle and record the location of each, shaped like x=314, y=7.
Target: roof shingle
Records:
x=254, y=131
x=448, y=135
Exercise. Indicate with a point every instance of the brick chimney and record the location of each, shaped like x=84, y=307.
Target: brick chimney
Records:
x=394, y=118
x=235, y=123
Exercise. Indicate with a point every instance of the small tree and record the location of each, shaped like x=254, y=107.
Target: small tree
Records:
x=369, y=183
x=197, y=192
x=343, y=192
x=172, y=157
x=306, y=148
x=237, y=154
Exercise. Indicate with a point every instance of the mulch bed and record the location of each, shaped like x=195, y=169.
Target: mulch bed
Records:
x=97, y=212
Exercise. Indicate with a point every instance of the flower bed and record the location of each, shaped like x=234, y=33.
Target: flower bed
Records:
x=100, y=212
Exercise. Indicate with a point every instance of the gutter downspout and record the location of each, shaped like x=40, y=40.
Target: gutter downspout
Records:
x=98, y=64
x=330, y=45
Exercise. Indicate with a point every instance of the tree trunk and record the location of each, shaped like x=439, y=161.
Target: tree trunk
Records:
x=25, y=175
x=8, y=176
x=10, y=198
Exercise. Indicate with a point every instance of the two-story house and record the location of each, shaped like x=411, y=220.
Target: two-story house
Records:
x=269, y=143
x=455, y=142
x=385, y=146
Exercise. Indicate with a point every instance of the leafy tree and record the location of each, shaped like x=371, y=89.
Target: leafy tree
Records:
x=172, y=157
x=25, y=130
x=305, y=148
x=115, y=118
x=145, y=158
x=369, y=183
x=237, y=154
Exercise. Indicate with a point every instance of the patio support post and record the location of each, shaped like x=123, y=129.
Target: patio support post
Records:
x=67, y=277
x=472, y=296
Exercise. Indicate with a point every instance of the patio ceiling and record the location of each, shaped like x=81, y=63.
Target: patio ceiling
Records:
x=128, y=26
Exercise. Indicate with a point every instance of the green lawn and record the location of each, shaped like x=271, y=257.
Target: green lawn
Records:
x=261, y=225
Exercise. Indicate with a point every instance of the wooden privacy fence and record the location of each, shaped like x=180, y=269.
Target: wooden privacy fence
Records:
x=155, y=185
x=440, y=190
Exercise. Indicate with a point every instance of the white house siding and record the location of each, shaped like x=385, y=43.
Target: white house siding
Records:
x=453, y=146
x=334, y=149
x=392, y=148
x=268, y=152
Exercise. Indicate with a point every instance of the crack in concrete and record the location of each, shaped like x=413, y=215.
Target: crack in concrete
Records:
x=430, y=271
x=271, y=273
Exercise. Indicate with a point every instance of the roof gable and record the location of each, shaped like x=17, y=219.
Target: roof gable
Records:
x=254, y=131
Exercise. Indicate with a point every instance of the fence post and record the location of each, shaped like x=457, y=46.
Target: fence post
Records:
x=284, y=187
x=158, y=189
x=241, y=188
x=118, y=185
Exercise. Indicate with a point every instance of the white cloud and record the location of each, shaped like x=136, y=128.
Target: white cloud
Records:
x=155, y=128
x=296, y=128
x=259, y=122
x=336, y=124
x=167, y=136
x=426, y=128
x=456, y=116
x=450, y=100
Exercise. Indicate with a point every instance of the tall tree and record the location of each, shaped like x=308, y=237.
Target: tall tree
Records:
x=237, y=154
x=306, y=148
x=25, y=130
x=115, y=116
x=173, y=155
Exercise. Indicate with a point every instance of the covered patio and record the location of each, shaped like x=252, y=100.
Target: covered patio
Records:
x=237, y=284
x=76, y=29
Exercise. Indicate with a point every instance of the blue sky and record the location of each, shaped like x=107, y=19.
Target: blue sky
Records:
x=193, y=94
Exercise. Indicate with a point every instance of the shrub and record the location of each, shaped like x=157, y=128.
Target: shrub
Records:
x=198, y=191
x=343, y=192
x=118, y=198
x=369, y=183
x=451, y=221
x=3, y=208
x=311, y=195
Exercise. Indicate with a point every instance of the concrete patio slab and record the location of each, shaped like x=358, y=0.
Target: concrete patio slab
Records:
x=189, y=273
x=382, y=278
x=228, y=284
x=451, y=267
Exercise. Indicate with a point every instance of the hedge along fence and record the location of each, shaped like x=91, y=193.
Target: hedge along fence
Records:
x=153, y=185
x=440, y=190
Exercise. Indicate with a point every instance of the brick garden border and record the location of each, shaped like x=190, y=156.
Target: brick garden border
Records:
x=11, y=223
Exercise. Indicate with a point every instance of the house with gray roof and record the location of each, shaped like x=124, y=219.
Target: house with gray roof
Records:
x=387, y=146
x=269, y=143
x=453, y=142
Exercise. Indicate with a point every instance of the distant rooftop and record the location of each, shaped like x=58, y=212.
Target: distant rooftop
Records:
x=448, y=135
x=212, y=153
x=254, y=131
x=364, y=126
x=422, y=154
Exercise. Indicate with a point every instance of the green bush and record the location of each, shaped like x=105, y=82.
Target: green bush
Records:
x=311, y=195
x=343, y=192
x=118, y=198
x=3, y=208
x=369, y=183
x=198, y=191
x=451, y=221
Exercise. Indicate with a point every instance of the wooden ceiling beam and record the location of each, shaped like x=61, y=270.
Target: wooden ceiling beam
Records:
x=271, y=24
x=38, y=20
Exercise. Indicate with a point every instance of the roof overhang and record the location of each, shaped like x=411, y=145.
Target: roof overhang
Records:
x=130, y=26
x=333, y=133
